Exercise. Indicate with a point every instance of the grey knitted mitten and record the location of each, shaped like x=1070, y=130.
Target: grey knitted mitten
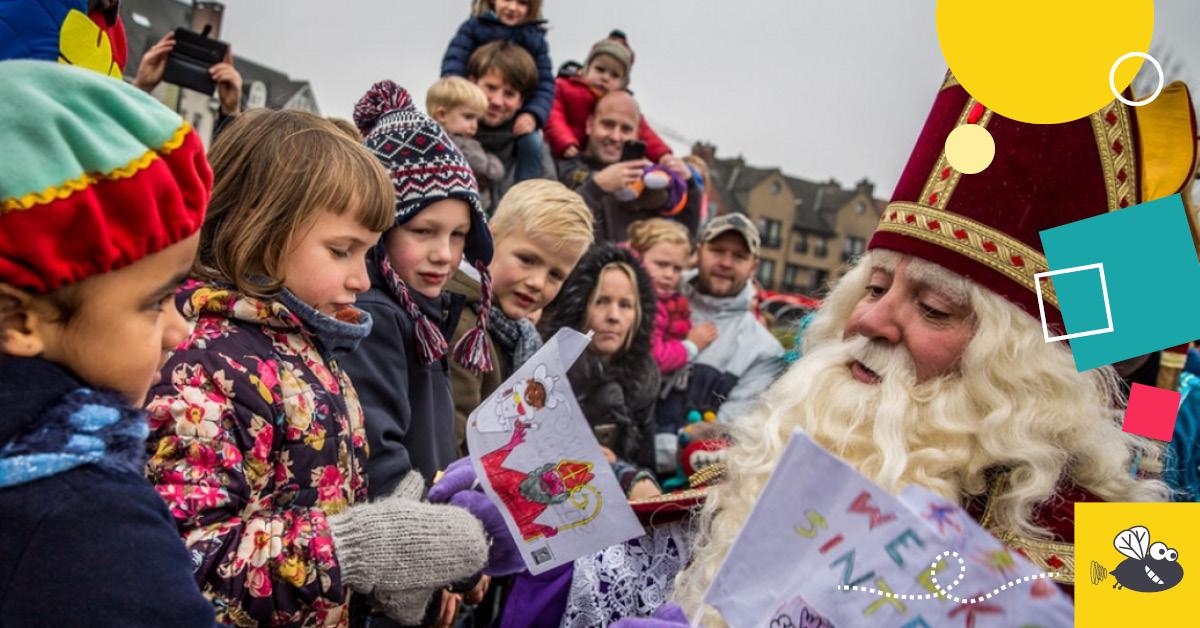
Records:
x=400, y=544
x=407, y=607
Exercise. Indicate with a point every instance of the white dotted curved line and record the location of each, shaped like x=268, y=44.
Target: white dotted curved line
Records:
x=945, y=593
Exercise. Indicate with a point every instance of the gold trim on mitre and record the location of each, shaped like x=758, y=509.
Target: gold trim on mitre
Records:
x=979, y=242
x=1114, y=143
x=1049, y=556
x=944, y=178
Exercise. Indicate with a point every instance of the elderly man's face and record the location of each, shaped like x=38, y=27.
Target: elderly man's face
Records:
x=615, y=120
x=934, y=327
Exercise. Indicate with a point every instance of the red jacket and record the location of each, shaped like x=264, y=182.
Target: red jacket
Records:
x=574, y=102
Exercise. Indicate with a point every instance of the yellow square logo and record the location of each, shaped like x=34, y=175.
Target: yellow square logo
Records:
x=1132, y=563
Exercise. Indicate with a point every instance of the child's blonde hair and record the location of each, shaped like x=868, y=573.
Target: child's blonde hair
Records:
x=455, y=91
x=545, y=208
x=483, y=6
x=644, y=234
x=274, y=172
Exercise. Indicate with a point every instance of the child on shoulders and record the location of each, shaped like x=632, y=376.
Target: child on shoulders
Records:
x=607, y=69
x=519, y=22
x=457, y=105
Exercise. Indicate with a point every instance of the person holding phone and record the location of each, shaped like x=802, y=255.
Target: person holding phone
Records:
x=613, y=160
x=229, y=82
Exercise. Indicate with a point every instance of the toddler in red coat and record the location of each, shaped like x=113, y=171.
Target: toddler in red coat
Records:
x=608, y=65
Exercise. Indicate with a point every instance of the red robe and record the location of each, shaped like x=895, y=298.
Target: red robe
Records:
x=507, y=484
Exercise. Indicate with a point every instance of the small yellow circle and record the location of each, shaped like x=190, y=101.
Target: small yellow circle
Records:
x=970, y=148
x=1039, y=61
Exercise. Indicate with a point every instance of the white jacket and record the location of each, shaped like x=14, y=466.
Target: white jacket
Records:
x=744, y=347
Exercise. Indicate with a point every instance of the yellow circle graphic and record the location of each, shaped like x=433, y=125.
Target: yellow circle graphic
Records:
x=970, y=148
x=1043, y=61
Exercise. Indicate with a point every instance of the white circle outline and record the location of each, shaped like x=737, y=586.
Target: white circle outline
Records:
x=1112, y=78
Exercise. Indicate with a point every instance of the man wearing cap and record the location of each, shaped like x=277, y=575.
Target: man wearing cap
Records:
x=720, y=291
x=926, y=363
x=601, y=177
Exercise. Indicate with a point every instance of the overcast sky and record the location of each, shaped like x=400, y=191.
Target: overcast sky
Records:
x=820, y=88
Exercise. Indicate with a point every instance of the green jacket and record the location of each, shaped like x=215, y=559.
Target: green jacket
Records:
x=468, y=388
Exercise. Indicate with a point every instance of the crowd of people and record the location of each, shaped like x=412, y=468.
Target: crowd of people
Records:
x=235, y=383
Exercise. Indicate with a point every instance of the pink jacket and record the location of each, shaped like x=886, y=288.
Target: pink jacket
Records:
x=672, y=323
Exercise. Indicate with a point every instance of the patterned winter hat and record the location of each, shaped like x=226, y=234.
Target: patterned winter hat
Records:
x=426, y=167
x=96, y=175
x=422, y=160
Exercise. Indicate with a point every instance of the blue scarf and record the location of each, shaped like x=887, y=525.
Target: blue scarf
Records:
x=85, y=426
x=336, y=337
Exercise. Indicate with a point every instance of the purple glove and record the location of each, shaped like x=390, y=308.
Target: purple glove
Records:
x=459, y=476
x=456, y=488
x=504, y=559
x=667, y=616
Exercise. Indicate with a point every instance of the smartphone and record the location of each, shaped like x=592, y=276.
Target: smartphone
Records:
x=633, y=150
x=188, y=63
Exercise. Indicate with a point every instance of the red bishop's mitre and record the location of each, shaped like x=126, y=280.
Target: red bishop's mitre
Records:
x=574, y=474
x=985, y=226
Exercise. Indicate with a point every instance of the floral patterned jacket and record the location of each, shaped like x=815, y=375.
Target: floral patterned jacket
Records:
x=255, y=439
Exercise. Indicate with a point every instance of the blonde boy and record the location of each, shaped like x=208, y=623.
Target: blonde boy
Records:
x=457, y=104
x=540, y=229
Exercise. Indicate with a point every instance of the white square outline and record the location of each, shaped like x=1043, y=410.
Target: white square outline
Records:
x=1037, y=286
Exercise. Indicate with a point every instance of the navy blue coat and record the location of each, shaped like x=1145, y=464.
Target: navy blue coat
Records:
x=90, y=546
x=531, y=36
x=408, y=405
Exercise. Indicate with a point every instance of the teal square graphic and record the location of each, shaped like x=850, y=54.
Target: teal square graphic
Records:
x=1087, y=311
x=1152, y=277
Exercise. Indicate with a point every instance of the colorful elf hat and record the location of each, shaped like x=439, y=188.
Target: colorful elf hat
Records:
x=84, y=33
x=96, y=175
x=986, y=226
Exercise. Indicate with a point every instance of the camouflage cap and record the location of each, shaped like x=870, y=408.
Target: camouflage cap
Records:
x=732, y=222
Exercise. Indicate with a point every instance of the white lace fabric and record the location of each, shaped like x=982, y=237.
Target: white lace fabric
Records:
x=630, y=579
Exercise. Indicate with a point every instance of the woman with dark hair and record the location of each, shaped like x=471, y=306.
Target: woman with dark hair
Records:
x=616, y=381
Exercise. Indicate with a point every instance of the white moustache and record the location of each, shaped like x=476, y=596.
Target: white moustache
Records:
x=892, y=362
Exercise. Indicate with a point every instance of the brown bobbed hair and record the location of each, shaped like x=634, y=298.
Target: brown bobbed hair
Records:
x=274, y=173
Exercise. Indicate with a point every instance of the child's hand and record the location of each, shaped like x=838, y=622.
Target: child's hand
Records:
x=675, y=165
x=571, y=152
x=525, y=124
x=608, y=454
x=703, y=335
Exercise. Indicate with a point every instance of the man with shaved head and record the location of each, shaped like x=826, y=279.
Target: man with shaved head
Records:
x=598, y=173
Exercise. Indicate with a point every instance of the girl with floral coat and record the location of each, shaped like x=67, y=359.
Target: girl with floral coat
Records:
x=257, y=439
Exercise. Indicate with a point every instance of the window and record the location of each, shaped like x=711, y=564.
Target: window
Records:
x=801, y=244
x=861, y=207
x=766, y=273
x=818, y=280
x=789, y=277
x=776, y=188
x=772, y=232
x=821, y=247
x=852, y=247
